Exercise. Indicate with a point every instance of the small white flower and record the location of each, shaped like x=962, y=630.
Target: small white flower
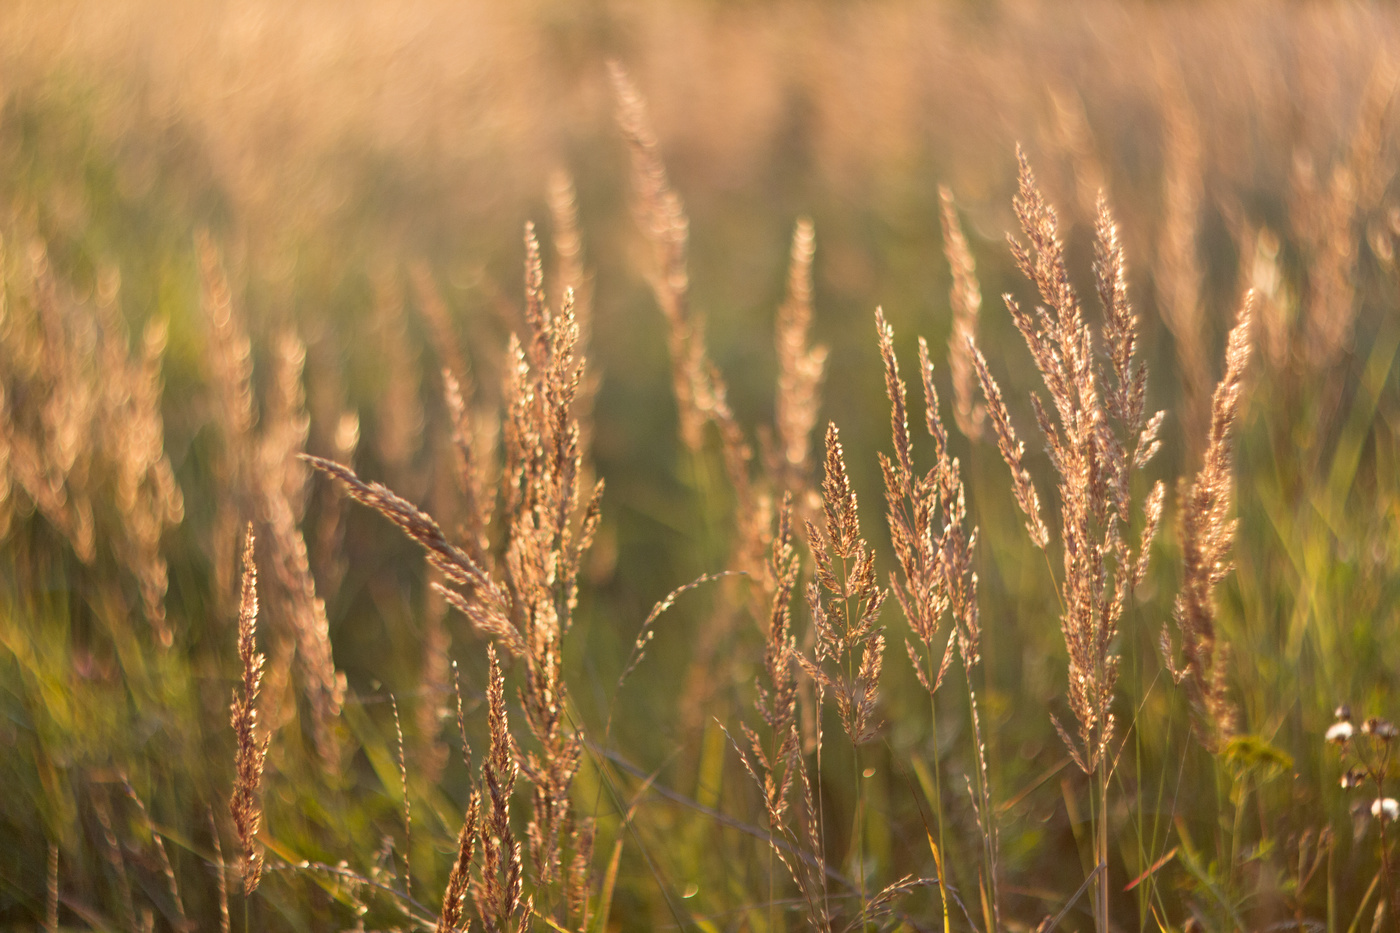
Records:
x=1340, y=732
x=1388, y=805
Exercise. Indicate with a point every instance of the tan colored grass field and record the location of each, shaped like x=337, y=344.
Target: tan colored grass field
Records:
x=720, y=626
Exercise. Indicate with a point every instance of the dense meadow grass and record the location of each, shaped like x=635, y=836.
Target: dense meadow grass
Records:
x=572, y=466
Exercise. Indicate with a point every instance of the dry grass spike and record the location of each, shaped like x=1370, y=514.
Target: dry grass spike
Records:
x=966, y=298
x=245, y=805
x=1207, y=533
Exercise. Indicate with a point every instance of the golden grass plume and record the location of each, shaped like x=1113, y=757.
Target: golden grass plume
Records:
x=250, y=754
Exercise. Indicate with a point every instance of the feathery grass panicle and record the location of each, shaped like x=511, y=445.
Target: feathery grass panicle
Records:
x=579, y=879
x=1207, y=534
x=776, y=763
x=661, y=216
x=966, y=298
x=1041, y=259
x=701, y=394
x=777, y=690
x=474, y=431
x=1177, y=268
x=280, y=488
x=1095, y=446
x=842, y=537
x=535, y=310
x=474, y=452
x=438, y=318
x=1012, y=450
x=525, y=602
x=286, y=424
x=927, y=517
x=49, y=454
x=845, y=602
x=1126, y=397
x=776, y=703
x=230, y=351
x=266, y=479
x=1070, y=135
x=125, y=440
x=543, y=561
x=899, y=412
x=571, y=274
x=913, y=510
x=572, y=277
x=1275, y=304
x=146, y=495
x=459, y=881
x=83, y=438
x=230, y=357
x=1324, y=218
x=801, y=366
x=335, y=433
x=251, y=750
x=933, y=422
x=1133, y=442
x=398, y=408
x=488, y=607
x=700, y=390
x=499, y=900
x=1152, y=520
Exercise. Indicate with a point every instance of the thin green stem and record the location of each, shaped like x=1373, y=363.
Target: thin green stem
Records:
x=938, y=795
x=1385, y=849
x=984, y=796
x=1101, y=844
x=1237, y=830
x=857, y=829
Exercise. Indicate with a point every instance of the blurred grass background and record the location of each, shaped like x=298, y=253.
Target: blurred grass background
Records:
x=328, y=147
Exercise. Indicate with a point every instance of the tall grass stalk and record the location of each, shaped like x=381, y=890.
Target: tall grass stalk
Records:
x=1101, y=440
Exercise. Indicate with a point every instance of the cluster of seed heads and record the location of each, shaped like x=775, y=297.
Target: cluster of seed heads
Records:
x=1368, y=746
